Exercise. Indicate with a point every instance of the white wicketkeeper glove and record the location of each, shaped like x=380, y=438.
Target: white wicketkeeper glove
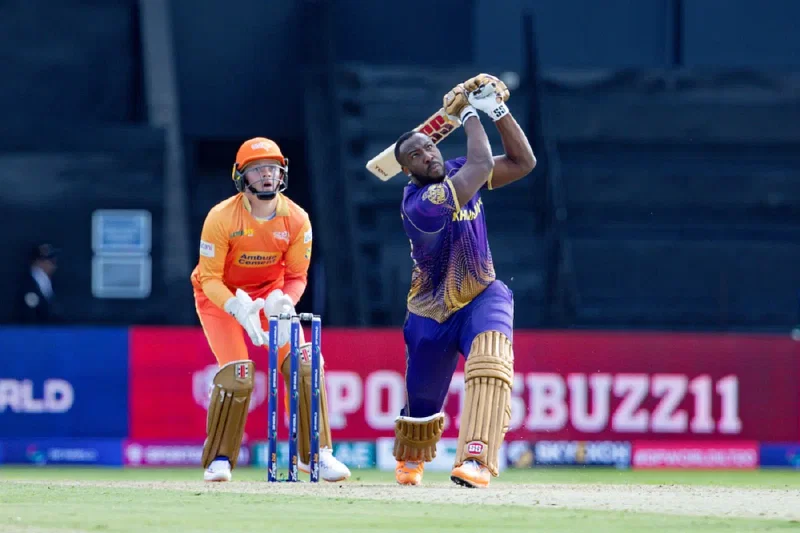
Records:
x=489, y=98
x=276, y=303
x=245, y=310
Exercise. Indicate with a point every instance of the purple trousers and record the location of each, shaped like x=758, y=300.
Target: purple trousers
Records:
x=432, y=349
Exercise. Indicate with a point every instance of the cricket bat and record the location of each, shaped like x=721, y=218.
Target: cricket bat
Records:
x=384, y=166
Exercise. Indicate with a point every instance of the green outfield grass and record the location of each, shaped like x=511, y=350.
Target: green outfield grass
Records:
x=174, y=500
x=731, y=478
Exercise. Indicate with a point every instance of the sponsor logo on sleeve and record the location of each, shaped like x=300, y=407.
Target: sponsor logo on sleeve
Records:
x=206, y=249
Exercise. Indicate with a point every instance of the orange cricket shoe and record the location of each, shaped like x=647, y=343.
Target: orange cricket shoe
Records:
x=471, y=474
x=408, y=473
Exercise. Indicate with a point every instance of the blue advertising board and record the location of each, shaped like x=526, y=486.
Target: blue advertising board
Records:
x=107, y=452
x=780, y=455
x=63, y=382
x=521, y=454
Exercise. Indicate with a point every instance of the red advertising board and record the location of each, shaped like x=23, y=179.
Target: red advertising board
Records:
x=696, y=455
x=568, y=386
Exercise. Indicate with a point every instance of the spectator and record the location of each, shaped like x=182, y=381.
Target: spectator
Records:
x=36, y=302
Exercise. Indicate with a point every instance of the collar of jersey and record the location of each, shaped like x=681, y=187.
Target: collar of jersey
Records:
x=281, y=211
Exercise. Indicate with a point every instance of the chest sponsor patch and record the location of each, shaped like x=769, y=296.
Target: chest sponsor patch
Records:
x=256, y=259
x=468, y=215
x=280, y=235
x=246, y=232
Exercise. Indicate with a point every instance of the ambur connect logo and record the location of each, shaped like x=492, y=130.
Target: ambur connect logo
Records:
x=256, y=259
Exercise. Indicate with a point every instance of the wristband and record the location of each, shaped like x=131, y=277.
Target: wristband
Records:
x=467, y=112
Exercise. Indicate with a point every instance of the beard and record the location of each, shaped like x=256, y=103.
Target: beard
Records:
x=425, y=180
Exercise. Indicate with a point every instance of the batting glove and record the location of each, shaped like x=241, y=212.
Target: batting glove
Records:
x=456, y=106
x=489, y=97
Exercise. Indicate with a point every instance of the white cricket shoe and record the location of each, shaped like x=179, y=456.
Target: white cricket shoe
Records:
x=330, y=468
x=218, y=470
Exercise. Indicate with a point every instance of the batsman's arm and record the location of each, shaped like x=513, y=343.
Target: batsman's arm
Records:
x=213, y=251
x=518, y=160
x=479, y=166
x=298, y=260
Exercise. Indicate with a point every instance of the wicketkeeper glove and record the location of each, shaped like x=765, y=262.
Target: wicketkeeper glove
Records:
x=276, y=303
x=245, y=310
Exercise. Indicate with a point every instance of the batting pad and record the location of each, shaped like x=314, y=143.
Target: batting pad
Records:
x=415, y=438
x=227, y=411
x=488, y=377
x=304, y=418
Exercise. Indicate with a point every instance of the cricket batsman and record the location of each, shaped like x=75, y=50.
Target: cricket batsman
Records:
x=455, y=303
x=255, y=250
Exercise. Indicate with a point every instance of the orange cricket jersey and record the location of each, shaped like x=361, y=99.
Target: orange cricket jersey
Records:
x=238, y=251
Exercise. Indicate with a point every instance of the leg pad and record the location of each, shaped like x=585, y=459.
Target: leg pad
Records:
x=227, y=411
x=415, y=438
x=488, y=378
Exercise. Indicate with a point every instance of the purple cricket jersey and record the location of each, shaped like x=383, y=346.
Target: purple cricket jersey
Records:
x=454, y=295
x=449, y=246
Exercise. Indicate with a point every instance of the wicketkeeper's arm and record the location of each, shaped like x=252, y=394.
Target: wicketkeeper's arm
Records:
x=298, y=260
x=213, y=250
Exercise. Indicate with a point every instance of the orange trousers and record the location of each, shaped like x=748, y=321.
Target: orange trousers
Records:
x=226, y=336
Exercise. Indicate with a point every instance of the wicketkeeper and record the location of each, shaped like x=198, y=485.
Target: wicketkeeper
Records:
x=255, y=250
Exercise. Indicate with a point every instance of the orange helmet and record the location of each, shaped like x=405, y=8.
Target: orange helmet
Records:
x=253, y=150
x=258, y=148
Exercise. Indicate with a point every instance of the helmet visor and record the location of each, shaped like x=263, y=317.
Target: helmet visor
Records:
x=265, y=177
